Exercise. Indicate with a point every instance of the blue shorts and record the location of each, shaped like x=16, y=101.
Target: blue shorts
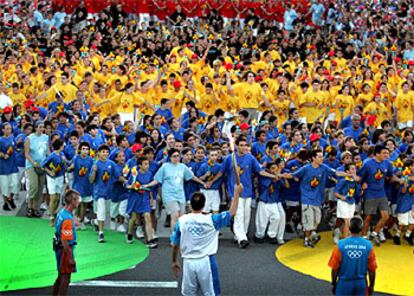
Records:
x=352, y=287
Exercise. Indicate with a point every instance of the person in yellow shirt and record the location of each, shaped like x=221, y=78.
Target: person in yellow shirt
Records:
x=126, y=102
x=311, y=102
x=344, y=103
x=101, y=103
x=404, y=107
x=378, y=109
x=281, y=107
x=366, y=96
x=249, y=93
x=67, y=89
x=208, y=100
x=177, y=100
x=16, y=95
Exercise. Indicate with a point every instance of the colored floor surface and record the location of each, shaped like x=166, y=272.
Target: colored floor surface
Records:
x=395, y=263
x=27, y=259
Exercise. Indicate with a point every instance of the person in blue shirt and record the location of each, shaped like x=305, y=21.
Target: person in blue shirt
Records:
x=8, y=167
x=346, y=191
x=207, y=172
x=373, y=173
x=58, y=105
x=317, y=10
x=175, y=129
x=164, y=111
x=55, y=167
x=405, y=205
x=272, y=149
x=291, y=194
x=192, y=186
x=259, y=147
x=101, y=176
x=118, y=195
x=294, y=145
x=247, y=166
x=140, y=200
x=273, y=132
x=351, y=260
x=81, y=167
x=270, y=213
x=69, y=151
x=64, y=243
x=20, y=157
x=355, y=130
x=313, y=179
x=172, y=176
x=122, y=144
x=157, y=122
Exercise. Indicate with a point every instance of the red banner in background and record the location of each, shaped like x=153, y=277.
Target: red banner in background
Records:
x=191, y=8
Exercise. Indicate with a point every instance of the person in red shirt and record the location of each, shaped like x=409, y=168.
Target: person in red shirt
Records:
x=191, y=8
x=159, y=9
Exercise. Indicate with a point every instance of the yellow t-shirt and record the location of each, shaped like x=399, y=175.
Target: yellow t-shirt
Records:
x=249, y=95
x=345, y=103
x=405, y=104
x=311, y=113
x=377, y=109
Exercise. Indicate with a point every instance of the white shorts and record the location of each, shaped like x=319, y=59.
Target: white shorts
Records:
x=69, y=179
x=55, y=185
x=345, y=210
x=403, y=125
x=119, y=208
x=197, y=276
x=406, y=218
x=212, y=200
x=174, y=206
x=9, y=184
x=101, y=206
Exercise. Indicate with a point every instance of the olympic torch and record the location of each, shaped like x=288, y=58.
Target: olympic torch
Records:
x=234, y=161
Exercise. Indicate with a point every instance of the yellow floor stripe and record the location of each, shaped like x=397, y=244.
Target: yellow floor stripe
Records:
x=395, y=274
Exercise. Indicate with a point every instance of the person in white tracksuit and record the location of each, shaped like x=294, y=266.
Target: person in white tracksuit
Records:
x=196, y=236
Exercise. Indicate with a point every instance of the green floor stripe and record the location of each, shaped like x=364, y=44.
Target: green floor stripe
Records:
x=28, y=261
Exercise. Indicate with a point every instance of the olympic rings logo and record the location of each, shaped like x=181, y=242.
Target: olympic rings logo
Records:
x=354, y=254
x=67, y=232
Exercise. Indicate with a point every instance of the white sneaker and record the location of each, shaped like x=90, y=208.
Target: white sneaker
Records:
x=81, y=226
x=43, y=206
x=382, y=236
x=139, y=232
x=121, y=228
x=86, y=220
x=112, y=225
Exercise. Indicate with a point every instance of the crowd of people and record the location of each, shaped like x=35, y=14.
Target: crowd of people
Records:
x=136, y=108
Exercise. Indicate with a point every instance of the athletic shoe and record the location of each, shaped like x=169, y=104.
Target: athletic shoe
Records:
x=280, y=242
x=101, y=238
x=258, y=240
x=6, y=206
x=382, y=237
x=12, y=204
x=37, y=214
x=243, y=244
x=86, y=220
x=121, y=228
x=409, y=240
x=377, y=240
x=81, y=226
x=152, y=244
x=308, y=243
x=315, y=239
x=130, y=239
x=397, y=240
x=273, y=241
x=387, y=233
x=43, y=206
x=139, y=232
